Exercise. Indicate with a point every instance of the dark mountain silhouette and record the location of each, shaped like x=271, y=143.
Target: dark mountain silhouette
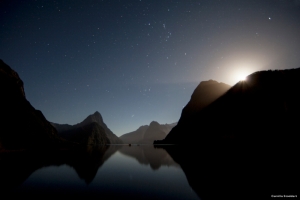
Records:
x=205, y=93
x=264, y=108
x=70, y=132
x=147, y=134
x=29, y=142
x=242, y=144
x=90, y=135
x=21, y=125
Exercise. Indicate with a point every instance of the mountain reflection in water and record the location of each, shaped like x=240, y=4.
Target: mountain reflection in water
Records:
x=232, y=170
x=115, y=171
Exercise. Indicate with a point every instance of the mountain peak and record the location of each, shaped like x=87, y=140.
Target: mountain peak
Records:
x=211, y=82
x=204, y=94
x=97, y=114
x=154, y=123
x=95, y=117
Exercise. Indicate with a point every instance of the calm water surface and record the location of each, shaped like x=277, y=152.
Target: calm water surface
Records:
x=140, y=172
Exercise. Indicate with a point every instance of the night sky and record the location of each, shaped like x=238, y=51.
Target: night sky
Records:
x=140, y=60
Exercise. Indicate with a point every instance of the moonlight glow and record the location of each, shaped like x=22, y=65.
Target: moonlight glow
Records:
x=140, y=61
x=240, y=75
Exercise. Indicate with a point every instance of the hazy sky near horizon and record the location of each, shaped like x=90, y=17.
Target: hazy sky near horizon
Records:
x=136, y=61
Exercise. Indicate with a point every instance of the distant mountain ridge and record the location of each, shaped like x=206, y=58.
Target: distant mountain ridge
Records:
x=263, y=108
x=148, y=133
x=134, y=137
x=66, y=131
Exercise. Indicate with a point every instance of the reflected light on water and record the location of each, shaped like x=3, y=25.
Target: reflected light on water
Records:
x=130, y=172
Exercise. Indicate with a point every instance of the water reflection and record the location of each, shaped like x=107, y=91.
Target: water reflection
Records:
x=146, y=155
x=238, y=170
x=16, y=167
x=116, y=171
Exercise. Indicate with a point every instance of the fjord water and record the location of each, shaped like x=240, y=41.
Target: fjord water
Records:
x=135, y=172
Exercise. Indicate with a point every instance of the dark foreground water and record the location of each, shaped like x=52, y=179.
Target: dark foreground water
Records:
x=215, y=171
x=139, y=172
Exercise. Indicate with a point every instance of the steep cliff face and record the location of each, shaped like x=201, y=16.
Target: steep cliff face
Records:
x=205, y=93
x=96, y=117
x=68, y=131
x=263, y=108
x=90, y=135
x=21, y=125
